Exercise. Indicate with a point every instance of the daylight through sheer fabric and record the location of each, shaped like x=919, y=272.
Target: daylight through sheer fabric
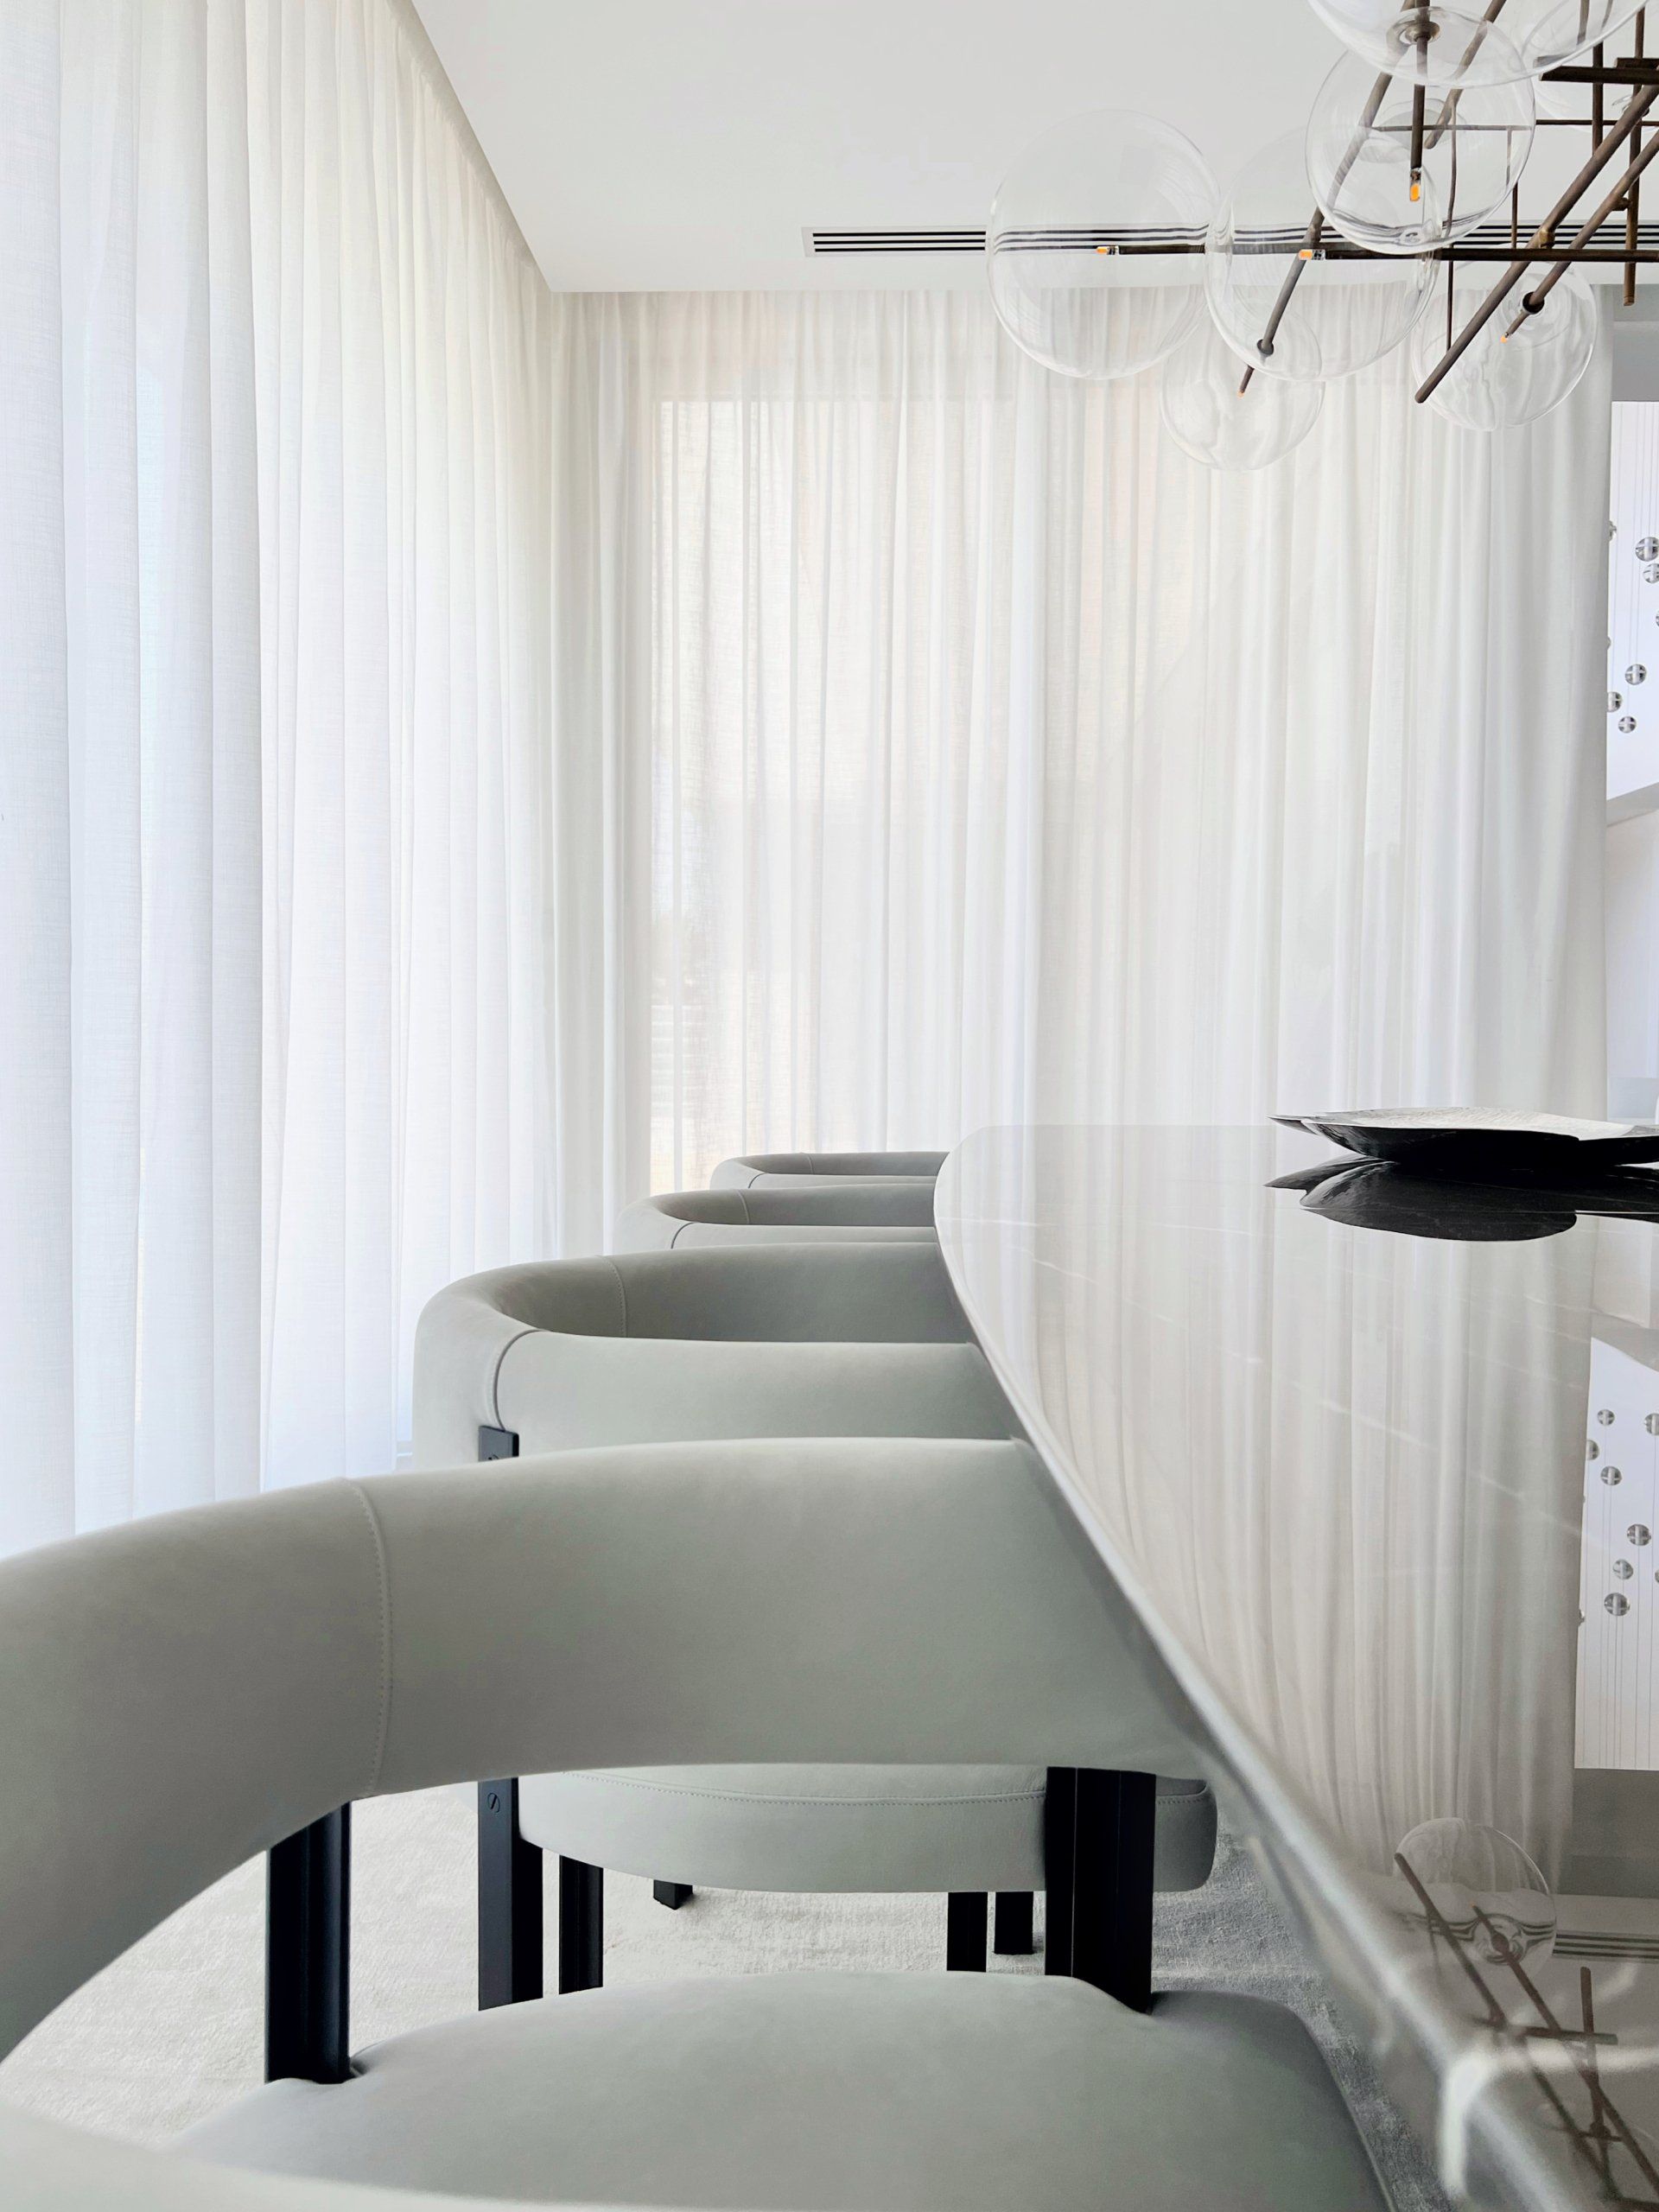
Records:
x=1004, y=764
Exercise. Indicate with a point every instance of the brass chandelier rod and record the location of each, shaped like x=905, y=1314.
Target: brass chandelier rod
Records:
x=1633, y=202
x=1638, y=71
x=1544, y=237
x=1634, y=69
x=1533, y=301
x=1612, y=256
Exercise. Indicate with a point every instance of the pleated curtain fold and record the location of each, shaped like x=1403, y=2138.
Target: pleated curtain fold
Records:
x=274, y=769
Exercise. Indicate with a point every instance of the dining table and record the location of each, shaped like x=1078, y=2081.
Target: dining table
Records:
x=1372, y=1456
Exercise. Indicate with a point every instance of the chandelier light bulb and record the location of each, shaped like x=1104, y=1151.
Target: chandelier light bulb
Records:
x=1072, y=244
x=1395, y=189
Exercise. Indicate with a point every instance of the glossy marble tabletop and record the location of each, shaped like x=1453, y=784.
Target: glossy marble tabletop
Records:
x=1376, y=1459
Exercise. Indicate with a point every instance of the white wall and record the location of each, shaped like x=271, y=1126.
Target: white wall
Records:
x=1632, y=868
x=1633, y=965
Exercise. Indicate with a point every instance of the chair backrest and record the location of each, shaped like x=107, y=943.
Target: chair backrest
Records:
x=178, y=1694
x=898, y=1209
x=747, y=1169
x=496, y=1334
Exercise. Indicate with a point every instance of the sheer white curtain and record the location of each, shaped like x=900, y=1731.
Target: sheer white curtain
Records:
x=274, y=409
x=1004, y=762
x=404, y=390
x=914, y=740
x=130, y=827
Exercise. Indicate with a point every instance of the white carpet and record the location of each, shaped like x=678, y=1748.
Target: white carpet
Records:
x=173, y=2029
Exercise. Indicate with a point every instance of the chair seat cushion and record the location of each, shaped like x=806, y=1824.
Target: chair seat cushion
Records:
x=934, y=2092
x=561, y=1393
x=833, y=1827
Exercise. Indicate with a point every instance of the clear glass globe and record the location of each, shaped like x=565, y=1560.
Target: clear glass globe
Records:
x=1064, y=287
x=1502, y=382
x=1360, y=157
x=1551, y=32
x=1208, y=417
x=1444, y=48
x=1343, y=313
x=1576, y=103
x=1481, y=1886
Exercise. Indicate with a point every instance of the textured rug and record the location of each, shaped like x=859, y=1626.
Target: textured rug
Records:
x=173, y=2030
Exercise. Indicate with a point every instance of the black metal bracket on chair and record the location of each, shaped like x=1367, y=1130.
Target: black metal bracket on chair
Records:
x=1098, y=1833
x=671, y=1894
x=498, y=1443
x=307, y=1951
x=509, y=1902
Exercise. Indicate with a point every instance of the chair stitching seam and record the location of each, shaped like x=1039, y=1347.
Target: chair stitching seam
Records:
x=622, y=1292
x=384, y=1722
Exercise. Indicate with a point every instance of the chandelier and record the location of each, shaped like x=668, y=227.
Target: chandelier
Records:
x=1393, y=221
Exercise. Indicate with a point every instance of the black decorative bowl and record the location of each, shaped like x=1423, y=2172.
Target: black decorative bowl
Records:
x=1485, y=1146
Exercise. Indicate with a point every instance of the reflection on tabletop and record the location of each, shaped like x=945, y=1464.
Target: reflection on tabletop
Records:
x=1378, y=1454
x=1374, y=1194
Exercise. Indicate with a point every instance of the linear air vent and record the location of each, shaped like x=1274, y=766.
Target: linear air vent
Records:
x=894, y=241
x=1489, y=238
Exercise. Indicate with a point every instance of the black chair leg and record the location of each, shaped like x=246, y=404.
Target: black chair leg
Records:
x=582, y=1926
x=966, y=1921
x=1016, y=1933
x=509, y=1902
x=307, y=1951
x=1100, y=1918
x=672, y=1894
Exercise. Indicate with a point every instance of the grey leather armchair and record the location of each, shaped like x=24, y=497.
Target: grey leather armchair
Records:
x=184, y=1691
x=848, y=1340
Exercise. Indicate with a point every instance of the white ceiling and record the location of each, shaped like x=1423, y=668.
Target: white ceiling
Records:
x=651, y=145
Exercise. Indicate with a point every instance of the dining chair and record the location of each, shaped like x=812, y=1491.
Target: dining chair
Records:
x=898, y=1210
x=181, y=1692
x=845, y=1340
